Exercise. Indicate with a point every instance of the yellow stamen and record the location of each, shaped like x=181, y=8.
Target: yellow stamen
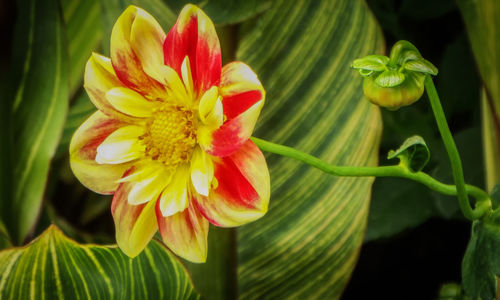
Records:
x=170, y=134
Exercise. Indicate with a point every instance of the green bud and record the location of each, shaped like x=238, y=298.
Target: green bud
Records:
x=397, y=80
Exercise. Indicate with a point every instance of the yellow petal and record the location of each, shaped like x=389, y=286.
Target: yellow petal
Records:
x=146, y=39
x=185, y=233
x=99, y=178
x=202, y=171
x=128, y=65
x=175, y=196
x=142, y=170
x=176, y=89
x=130, y=102
x=100, y=78
x=121, y=146
x=135, y=224
x=150, y=187
x=210, y=108
x=187, y=78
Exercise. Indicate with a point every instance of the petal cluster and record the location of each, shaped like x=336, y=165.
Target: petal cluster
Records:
x=171, y=135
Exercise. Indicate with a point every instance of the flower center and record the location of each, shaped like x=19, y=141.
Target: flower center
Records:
x=170, y=135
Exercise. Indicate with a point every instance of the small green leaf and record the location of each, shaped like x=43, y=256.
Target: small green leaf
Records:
x=55, y=267
x=403, y=51
x=481, y=263
x=421, y=65
x=371, y=63
x=413, y=154
x=390, y=79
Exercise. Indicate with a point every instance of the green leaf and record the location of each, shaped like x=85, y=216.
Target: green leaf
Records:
x=307, y=244
x=39, y=109
x=413, y=154
x=390, y=79
x=481, y=263
x=482, y=24
x=84, y=31
x=371, y=62
x=54, y=266
x=225, y=11
x=421, y=65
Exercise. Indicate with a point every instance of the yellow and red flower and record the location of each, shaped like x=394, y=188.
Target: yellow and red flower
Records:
x=171, y=137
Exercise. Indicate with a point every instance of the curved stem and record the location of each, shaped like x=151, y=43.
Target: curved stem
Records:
x=384, y=171
x=451, y=149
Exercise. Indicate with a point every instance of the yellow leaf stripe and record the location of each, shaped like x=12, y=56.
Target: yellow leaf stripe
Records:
x=55, y=267
x=307, y=245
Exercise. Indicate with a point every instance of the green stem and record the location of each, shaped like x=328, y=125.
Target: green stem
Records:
x=451, y=148
x=385, y=171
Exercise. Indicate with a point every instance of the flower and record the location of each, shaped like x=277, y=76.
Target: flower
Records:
x=171, y=137
x=395, y=81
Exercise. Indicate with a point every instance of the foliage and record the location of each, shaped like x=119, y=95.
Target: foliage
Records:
x=38, y=103
x=53, y=266
x=482, y=24
x=412, y=154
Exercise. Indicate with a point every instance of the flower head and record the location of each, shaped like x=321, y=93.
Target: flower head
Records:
x=171, y=137
x=397, y=80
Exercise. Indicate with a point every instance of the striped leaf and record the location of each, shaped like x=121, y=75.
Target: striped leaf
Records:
x=55, y=267
x=84, y=31
x=483, y=27
x=308, y=243
x=225, y=11
x=39, y=107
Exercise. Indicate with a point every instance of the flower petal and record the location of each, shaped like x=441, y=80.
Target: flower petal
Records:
x=121, y=146
x=130, y=102
x=135, y=224
x=146, y=39
x=210, y=109
x=174, y=198
x=242, y=100
x=98, y=80
x=131, y=58
x=242, y=190
x=150, y=186
x=185, y=233
x=83, y=150
x=194, y=35
x=240, y=89
x=202, y=171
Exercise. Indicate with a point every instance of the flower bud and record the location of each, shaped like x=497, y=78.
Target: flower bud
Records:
x=395, y=81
